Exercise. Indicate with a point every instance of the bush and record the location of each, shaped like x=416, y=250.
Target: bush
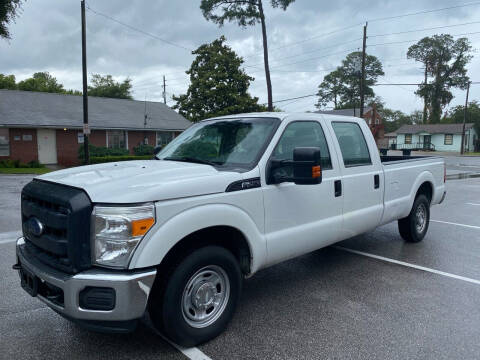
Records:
x=143, y=150
x=101, y=151
x=16, y=164
x=107, y=159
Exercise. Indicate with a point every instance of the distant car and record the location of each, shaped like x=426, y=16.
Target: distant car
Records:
x=102, y=244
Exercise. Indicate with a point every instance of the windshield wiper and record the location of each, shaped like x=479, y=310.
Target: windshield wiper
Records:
x=192, y=160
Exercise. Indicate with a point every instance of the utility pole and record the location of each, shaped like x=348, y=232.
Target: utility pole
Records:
x=465, y=119
x=362, y=81
x=425, y=98
x=86, y=129
x=164, y=91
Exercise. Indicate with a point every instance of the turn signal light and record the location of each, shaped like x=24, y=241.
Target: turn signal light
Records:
x=316, y=171
x=140, y=227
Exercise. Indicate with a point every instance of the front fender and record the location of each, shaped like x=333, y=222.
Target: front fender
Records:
x=153, y=248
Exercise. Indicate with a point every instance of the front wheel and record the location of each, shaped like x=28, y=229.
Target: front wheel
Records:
x=198, y=298
x=414, y=227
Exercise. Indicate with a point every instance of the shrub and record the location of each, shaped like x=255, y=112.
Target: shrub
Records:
x=16, y=164
x=100, y=151
x=143, y=150
x=106, y=159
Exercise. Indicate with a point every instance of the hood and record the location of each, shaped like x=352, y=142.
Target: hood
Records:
x=143, y=181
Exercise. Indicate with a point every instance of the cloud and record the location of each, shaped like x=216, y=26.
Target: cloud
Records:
x=47, y=37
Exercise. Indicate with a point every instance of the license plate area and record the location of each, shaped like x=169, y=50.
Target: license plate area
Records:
x=29, y=282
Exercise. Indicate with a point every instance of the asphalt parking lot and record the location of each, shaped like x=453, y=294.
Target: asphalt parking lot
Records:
x=366, y=298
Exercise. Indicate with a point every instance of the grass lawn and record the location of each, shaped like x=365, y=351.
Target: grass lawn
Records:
x=36, y=171
x=472, y=154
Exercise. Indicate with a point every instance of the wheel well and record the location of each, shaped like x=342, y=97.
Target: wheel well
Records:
x=227, y=237
x=426, y=189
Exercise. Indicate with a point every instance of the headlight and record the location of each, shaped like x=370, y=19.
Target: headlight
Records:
x=116, y=231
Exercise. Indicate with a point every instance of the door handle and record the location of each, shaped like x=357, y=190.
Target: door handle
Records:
x=338, y=188
x=376, y=181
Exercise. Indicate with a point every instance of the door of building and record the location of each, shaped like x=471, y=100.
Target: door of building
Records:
x=47, y=146
x=427, y=140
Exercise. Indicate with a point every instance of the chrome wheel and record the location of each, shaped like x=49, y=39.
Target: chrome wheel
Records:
x=205, y=296
x=420, y=218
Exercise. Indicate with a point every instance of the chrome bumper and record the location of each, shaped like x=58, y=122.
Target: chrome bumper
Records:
x=131, y=289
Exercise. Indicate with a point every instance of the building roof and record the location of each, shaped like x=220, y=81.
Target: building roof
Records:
x=39, y=109
x=434, y=128
x=345, y=112
x=391, y=134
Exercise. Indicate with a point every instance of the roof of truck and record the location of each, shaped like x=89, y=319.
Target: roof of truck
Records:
x=283, y=115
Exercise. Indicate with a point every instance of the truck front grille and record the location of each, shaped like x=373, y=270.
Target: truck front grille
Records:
x=55, y=224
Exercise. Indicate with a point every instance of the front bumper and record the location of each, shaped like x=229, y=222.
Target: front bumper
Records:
x=131, y=292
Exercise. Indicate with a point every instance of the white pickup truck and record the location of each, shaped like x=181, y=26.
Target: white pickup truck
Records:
x=173, y=237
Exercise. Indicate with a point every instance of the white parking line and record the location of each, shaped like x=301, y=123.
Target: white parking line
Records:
x=457, y=224
x=473, y=204
x=418, y=267
x=9, y=237
x=192, y=353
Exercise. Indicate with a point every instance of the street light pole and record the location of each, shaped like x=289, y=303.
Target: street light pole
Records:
x=86, y=129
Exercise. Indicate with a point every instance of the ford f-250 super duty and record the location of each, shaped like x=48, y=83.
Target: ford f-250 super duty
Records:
x=174, y=236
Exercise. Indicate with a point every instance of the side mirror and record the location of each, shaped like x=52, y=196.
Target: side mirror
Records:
x=157, y=149
x=307, y=166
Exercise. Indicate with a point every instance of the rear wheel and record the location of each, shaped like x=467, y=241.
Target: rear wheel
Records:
x=414, y=227
x=198, y=298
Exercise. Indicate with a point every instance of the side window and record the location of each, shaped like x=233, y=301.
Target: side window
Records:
x=301, y=134
x=352, y=144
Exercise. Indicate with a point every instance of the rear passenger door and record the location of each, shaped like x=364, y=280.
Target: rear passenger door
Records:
x=362, y=178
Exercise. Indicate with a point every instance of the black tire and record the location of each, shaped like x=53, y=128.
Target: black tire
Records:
x=166, y=305
x=411, y=228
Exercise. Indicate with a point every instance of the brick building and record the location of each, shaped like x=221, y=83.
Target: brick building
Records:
x=371, y=116
x=48, y=127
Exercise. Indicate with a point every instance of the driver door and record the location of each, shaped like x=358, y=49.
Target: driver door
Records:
x=302, y=218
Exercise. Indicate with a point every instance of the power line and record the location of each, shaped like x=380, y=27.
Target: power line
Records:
x=424, y=12
x=424, y=29
x=409, y=41
x=137, y=29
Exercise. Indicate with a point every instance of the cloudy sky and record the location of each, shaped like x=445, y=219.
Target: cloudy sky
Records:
x=303, y=42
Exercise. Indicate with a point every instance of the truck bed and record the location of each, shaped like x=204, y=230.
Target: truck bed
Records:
x=395, y=159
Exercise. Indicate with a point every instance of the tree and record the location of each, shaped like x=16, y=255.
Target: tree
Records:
x=105, y=86
x=217, y=84
x=473, y=115
x=342, y=86
x=41, y=81
x=244, y=12
x=445, y=60
x=330, y=90
x=7, y=82
x=9, y=10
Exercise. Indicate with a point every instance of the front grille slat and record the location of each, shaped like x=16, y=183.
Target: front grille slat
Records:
x=49, y=217
x=64, y=213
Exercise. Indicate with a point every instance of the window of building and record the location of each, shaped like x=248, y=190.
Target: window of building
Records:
x=4, y=143
x=352, y=144
x=117, y=139
x=408, y=138
x=448, y=139
x=164, y=137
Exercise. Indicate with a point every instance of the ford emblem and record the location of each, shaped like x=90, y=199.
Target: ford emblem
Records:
x=34, y=226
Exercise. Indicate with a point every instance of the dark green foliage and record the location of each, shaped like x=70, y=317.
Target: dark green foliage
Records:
x=143, y=149
x=105, y=86
x=100, y=151
x=41, y=81
x=9, y=10
x=445, y=60
x=473, y=115
x=342, y=86
x=244, y=12
x=8, y=82
x=16, y=164
x=106, y=159
x=217, y=84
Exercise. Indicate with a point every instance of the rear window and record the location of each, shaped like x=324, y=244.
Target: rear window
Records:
x=352, y=144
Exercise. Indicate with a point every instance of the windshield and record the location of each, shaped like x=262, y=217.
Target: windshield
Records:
x=227, y=143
